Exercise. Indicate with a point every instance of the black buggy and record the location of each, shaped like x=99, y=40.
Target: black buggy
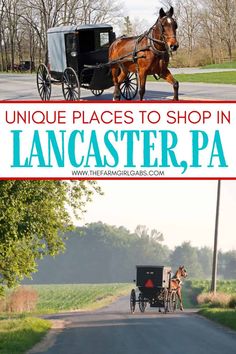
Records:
x=154, y=285
x=78, y=57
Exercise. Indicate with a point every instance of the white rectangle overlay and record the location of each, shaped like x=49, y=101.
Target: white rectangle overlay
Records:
x=82, y=140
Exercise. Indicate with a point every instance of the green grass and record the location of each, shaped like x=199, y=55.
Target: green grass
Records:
x=228, y=77
x=226, y=286
x=19, y=335
x=229, y=65
x=56, y=298
x=226, y=317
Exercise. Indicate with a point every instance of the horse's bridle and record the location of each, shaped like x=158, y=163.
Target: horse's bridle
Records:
x=162, y=40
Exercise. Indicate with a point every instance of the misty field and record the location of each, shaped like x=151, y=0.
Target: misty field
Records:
x=54, y=298
x=226, y=286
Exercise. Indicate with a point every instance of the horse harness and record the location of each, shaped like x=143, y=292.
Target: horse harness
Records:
x=164, y=54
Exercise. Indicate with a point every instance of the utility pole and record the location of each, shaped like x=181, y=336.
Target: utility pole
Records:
x=215, y=252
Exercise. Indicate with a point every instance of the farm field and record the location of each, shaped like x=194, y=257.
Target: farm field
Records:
x=56, y=298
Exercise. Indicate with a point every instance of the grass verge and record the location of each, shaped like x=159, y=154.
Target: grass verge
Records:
x=229, y=65
x=226, y=317
x=20, y=334
x=228, y=77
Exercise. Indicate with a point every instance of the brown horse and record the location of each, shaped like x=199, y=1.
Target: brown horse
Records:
x=147, y=54
x=176, y=281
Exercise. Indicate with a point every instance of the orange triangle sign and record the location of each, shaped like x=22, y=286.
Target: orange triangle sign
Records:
x=149, y=284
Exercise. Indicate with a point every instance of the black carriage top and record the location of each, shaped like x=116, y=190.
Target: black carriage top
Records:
x=78, y=45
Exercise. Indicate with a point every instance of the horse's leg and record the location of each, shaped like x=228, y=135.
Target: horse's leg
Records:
x=169, y=78
x=180, y=299
x=115, y=75
x=118, y=77
x=142, y=83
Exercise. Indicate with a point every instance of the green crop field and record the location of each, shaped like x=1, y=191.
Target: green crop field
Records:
x=226, y=286
x=54, y=298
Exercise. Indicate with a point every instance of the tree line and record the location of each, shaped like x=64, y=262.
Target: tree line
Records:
x=24, y=24
x=206, y=28
x=104, y=253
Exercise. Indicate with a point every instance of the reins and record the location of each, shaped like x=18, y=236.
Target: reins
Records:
x=165, y=54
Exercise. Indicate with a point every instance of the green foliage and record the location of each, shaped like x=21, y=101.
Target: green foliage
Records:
x=19, y=335
x=226, y=317
x=187, y=255
x=33, y=218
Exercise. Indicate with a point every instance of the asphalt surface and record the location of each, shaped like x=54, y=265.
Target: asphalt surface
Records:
x=114, y=330
x=23, y=87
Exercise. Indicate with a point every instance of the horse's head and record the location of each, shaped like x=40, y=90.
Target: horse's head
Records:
x=182, y=272
x=168, y=26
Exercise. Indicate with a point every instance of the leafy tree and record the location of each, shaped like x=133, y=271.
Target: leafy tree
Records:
x=227, y=264
x=187, y=255
x=205, y=257
x=34, y=215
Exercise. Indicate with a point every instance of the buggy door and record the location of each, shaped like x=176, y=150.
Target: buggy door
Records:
x=71, y=41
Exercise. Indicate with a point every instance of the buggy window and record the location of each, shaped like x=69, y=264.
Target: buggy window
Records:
x=104, y=39
x=86, y=41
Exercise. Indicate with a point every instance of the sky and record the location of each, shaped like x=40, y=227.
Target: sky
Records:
x=143, y=9
x=181, y=210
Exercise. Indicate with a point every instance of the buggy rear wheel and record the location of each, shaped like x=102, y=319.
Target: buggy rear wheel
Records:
x=44, y=84
x=129, y=87
x=132, y=301
x=70, y=85
x=97, y=92
x=142, y=303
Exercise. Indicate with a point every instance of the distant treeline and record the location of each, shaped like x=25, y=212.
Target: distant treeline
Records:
x=101, y=253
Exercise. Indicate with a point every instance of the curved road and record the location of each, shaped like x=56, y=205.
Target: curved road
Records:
x=23, y=87
x=114, y=331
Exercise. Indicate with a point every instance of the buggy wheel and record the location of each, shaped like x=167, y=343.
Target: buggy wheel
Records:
x=132, y=300
x=44, y=84
x=142, y=303
x=70, y=85
x=129, y=87
x=97, y=92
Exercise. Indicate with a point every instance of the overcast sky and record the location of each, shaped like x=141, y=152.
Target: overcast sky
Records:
x=182, y=210
x=142, y=9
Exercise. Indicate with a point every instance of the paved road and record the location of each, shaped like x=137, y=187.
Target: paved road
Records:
x=23, y=87
x=114, y=331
